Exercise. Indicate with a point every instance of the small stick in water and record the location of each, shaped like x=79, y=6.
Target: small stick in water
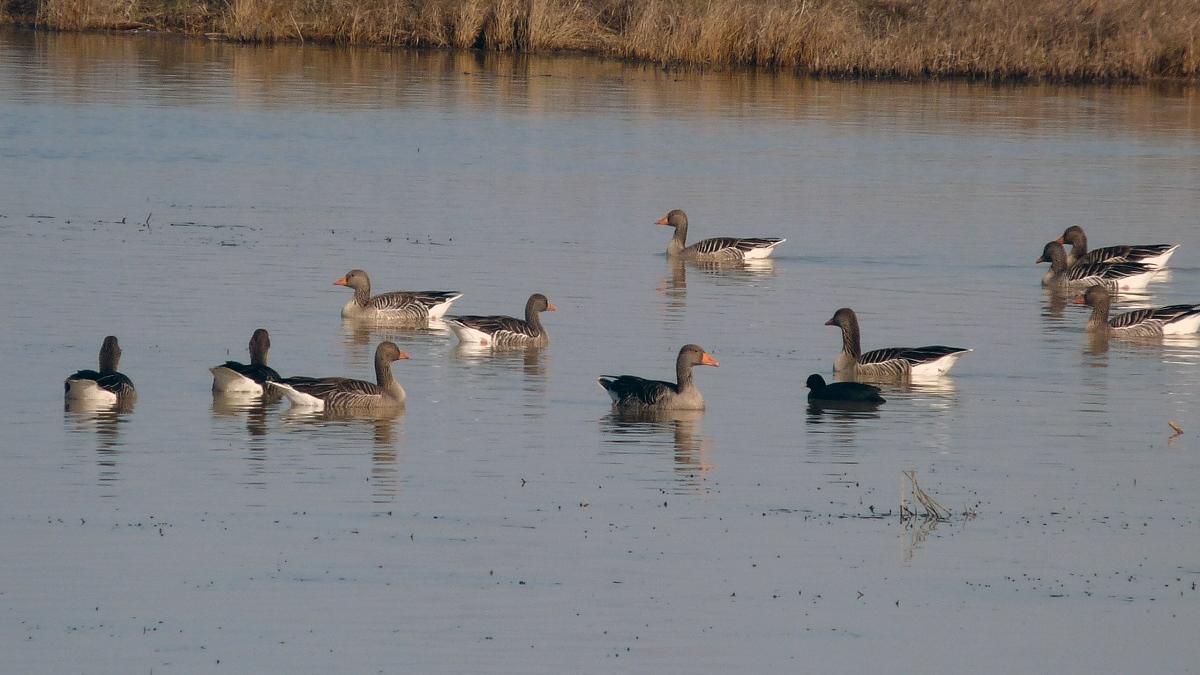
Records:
x=1178, y=432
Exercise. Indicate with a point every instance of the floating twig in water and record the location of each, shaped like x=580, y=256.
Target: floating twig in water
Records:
x=1177, y=429
x=933, y=510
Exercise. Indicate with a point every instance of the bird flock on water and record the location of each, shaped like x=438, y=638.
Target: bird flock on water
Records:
x=1092, y=277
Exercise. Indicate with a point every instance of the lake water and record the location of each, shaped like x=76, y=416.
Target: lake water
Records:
x=181, y=193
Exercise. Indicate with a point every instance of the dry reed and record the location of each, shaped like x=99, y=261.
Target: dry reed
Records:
x=994, y=39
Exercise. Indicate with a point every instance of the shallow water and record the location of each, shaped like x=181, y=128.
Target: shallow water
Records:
x=180, y=194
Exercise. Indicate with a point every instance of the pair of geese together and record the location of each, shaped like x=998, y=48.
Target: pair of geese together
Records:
x=1099, y=274
x=1117, y=268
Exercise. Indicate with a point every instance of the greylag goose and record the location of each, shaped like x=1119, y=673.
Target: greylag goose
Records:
x=239, y=378
x=847, y=392
x=632, y=393
x=1123, y=276
x=1153, y=256
x=398, y=306
x=1150, y=322
x=893, y=363
x=341, y=393
x=106, y=386
x=717, y=249
x=505, y=331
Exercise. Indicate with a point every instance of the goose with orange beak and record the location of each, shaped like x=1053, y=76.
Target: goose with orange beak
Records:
x=633, y=393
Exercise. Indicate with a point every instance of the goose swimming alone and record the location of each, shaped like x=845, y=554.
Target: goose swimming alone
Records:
x=103, y=387
x=717, y=249
x=633, y=393
x=1153, y=256
x=505, y=331
x=1117, y=276
x=232, y=377
x=893, y=363
x=341, y=393
x=397, y=306
x=1150, y=322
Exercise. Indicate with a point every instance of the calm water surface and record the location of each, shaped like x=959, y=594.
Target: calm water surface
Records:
x=180, y=194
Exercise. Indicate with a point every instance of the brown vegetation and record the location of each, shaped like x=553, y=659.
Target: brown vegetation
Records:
x=998, y=39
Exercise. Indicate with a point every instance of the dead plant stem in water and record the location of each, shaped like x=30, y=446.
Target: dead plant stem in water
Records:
x=994, y=39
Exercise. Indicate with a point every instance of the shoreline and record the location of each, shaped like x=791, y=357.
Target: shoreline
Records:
x=1071, y=42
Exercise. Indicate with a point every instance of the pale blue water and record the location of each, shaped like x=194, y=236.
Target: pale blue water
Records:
x=507, y=522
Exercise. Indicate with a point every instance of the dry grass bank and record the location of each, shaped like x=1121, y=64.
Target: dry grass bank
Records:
x=1001, y=39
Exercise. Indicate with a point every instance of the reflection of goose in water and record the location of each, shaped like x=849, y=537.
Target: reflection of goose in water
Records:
x=85, y=418
x=1181, y=349
x=942, y=388
x=383, y=421
x=729, y=273
x=635, y=427
x=530, y=360
x=105, y=422
x=254, y=408
x=357, y=334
